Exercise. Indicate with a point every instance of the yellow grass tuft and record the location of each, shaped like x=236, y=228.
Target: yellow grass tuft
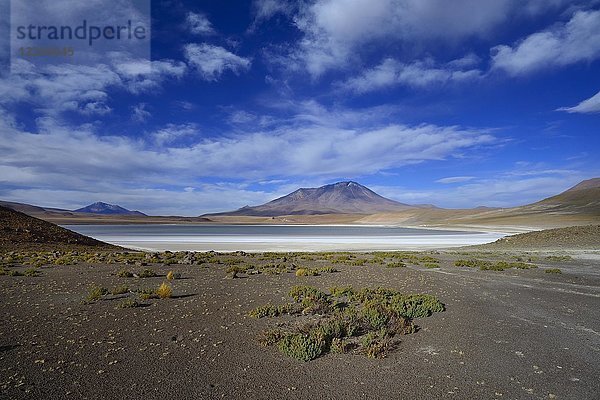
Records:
x=170, y=275
x=164, y=291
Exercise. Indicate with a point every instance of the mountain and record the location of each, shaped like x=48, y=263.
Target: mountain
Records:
x=585, y=196
x=338, y=198
x=20, y=231
x=107, y=209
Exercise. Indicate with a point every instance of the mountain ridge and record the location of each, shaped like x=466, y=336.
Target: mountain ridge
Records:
x=107, y=209
x=347, y=197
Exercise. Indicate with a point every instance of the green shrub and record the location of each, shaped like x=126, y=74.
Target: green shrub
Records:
x=96, y=293
x=129, y=303
x=367, y=318
x=147, y=273
x=271, y=337
x=124, y=274
x=340, y=346
x=237, y=269
x=553, y=271
x=398, y=264
x=122, y=289
x=327, y=270
x=559, y=258
x=337, y=291
x=299, y=346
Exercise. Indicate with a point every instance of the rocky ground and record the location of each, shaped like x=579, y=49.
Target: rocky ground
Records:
x=510, y=334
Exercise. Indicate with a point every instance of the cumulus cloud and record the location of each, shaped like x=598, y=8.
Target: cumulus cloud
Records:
x=314, y=142
x=54, y=89
x=588, y=106
x=577, y=40
x=334, y=32
x=212, y=61
x=199, y=24
x=416, y=74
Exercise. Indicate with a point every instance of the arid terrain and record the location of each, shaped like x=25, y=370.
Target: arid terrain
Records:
x=517, y=333
x=517, y=319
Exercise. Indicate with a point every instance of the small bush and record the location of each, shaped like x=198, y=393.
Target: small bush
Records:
x=124, y=274
x=327, y=270
x=122, y=289
x=300, y=347
x=96, y=294
x=173, y=275
x=559, y=258
x=271, y=337
x=366, y=319
x=164, y=291
x=147, y=273
x=13, y=272
x=337, y=291
x=340, y=346
x=553, y=271
x=31, y=272
x=129, y=303
x=397, y=264
x=237, y=269
x=306, y=272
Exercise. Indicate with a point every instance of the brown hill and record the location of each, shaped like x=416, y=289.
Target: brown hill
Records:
x=573, y=237
x=19, y=231
x=337, y=198
x=584, y=196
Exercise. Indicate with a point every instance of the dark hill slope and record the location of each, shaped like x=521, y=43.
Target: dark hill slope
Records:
x=19, y=231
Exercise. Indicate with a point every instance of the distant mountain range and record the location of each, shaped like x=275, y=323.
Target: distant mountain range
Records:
x=106, y=209
x=338, y=198
x=351, y=202
x=98, y=208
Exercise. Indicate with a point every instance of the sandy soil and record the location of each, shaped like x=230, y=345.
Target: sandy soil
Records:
x=514, y=334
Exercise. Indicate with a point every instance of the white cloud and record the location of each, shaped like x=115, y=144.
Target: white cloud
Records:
x=455, y=179
x=263, y=10
x=588, y=106
x=139, y=112
x=313, y=142
x=507, y=190
x=199, y=24
x=335, y=32
x=578, y=40
x=172, y=133
x=416, y=74
x=54, y=89
x=212, y=61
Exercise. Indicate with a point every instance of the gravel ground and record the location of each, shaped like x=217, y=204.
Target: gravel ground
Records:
x=516, y=334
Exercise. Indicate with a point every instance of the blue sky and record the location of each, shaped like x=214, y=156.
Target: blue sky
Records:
x=457, y=104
